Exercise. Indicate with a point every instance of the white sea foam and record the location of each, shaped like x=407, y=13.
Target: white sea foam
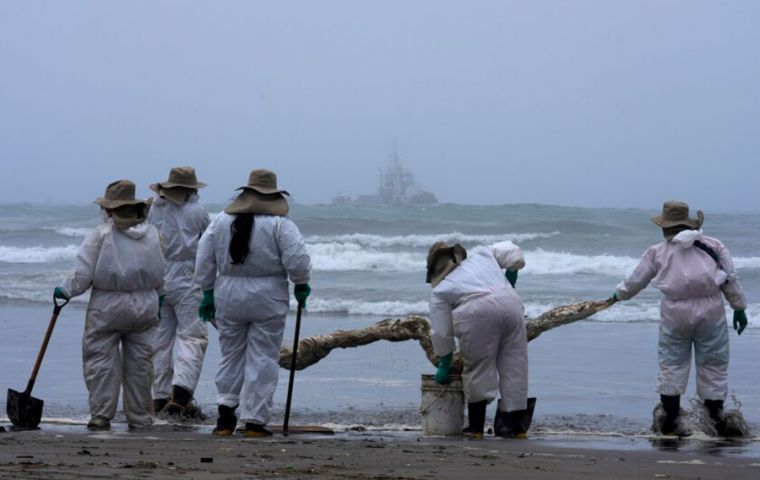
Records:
x=350, y=256
x=72, y=232
x=748, y=263
x=338, y=256
x=423, y=241
x=541, y=262
x=360, y=307
x=38, y=254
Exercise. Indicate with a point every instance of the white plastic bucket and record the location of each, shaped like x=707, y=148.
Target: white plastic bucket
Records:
x=442, y=406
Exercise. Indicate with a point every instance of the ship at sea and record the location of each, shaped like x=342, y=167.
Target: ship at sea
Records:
x=396, y=187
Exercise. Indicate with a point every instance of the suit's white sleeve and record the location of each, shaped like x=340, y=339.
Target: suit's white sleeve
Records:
x=84, y=270
x=508, y=255
x=731, y=289
x=205, y=260
x=442, y=321
x=640, y=278
x=293, y=252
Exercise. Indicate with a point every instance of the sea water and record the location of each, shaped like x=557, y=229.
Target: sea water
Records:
x=369, y=264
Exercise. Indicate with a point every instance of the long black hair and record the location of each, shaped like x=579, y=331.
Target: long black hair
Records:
x=241, y=229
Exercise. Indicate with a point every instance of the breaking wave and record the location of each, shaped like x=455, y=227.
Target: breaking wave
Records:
x=72, y=232
x=422, y=241
x=38, y=254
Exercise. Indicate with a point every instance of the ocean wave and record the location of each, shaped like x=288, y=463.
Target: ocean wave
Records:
x=72, y=232
x=38, y=254
x=338, y=257
x=360, y=307
x=747, y=263
x=350, y=256
x=353, y=256
x=541, y=262
x=422, y=241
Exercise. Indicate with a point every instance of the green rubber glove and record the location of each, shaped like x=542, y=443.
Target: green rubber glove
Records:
x=58, y=293
x=301, y=293
x=207, y=310
x=443, y=374
x=511, y=277
x=160, y=304
x=740, y=321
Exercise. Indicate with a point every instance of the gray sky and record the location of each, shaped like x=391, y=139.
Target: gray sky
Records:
x=588, y=103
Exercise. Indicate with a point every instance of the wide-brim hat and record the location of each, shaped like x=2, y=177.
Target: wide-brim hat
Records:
x=120, y=193
x=442, y=259
x=263, y=181
x=179, y=177
x=676, y=213
x=251, y=201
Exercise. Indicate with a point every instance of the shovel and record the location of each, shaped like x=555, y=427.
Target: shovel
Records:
x=292, y=371
x=25, y=411
x=286, y=429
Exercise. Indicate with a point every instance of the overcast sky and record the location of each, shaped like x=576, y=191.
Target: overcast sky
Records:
x=587, y=103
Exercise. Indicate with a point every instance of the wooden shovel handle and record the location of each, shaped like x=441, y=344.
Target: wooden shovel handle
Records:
x=45, y=341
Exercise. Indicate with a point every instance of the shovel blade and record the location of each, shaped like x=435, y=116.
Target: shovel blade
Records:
x=24, y=411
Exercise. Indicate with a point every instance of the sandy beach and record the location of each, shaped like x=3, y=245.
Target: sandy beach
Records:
x=66, y=452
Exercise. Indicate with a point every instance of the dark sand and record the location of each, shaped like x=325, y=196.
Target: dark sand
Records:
x=58, y=452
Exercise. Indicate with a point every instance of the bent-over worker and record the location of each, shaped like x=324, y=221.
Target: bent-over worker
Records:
x=474, y=302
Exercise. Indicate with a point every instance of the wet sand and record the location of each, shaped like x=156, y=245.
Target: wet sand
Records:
x=73, y=453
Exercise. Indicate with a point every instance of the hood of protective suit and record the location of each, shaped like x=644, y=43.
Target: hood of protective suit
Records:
x=687, y=238
x=137, y=231
x=128, y=227
x=508, y=255
x=173, y=197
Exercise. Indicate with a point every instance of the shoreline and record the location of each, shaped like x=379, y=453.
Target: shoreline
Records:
x=69, y=452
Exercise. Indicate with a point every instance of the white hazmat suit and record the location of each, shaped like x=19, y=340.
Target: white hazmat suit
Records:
x=692, y=310
x=126, y=272
x=182, y=337
x=252, y=302
x=476, y=304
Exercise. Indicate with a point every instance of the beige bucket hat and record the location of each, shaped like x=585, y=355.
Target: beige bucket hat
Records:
x=677, y=213
x=441, y=260
x=261, y=195
x=179, y=177
x=120, y=193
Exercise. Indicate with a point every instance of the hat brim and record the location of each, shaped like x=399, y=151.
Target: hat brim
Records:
x=157, y=186
x=263, y=191
x=111, y=204
x=444, y=261
x=691, y=222
x=251, y=201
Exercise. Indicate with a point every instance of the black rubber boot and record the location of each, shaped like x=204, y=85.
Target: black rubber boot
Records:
x=476, y=416
x=671, y=404
x=715, y=408
x=159, y=404
x=227, y=421
x=179, y=401
x=513, y=424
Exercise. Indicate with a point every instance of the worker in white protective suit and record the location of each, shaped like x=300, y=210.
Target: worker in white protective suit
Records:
x=474, y=302
x=182, y=337
x=122, y=261
x=245, y=258
x=694, y=272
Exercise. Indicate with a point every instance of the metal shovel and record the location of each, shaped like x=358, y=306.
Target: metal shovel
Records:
x=25, y=411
